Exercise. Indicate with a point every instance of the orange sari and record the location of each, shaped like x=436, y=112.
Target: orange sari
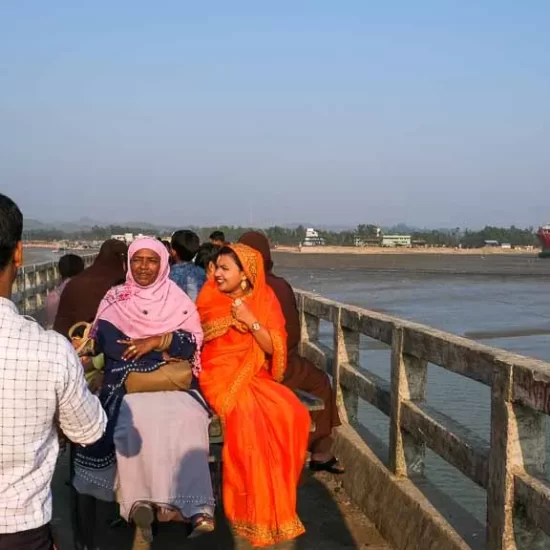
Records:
x=266, y=428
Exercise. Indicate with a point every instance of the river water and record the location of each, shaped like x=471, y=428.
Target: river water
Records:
x=503, y=303
x=39, y=255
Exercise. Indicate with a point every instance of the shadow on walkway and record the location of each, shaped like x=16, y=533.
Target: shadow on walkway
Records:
x=331, y=522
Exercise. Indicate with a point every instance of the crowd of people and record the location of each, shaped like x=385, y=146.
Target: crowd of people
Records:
x=175, y=332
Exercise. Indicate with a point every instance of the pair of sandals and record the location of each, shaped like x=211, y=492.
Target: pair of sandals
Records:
x=143, y=516
x=331, y=466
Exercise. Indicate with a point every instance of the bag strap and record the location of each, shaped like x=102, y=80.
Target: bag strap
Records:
x=85, y=338
x=76, y=326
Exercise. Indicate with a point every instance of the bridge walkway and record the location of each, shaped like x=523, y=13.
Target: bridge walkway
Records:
x=332, y=522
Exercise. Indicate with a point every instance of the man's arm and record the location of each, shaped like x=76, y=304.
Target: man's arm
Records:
x=81, y=416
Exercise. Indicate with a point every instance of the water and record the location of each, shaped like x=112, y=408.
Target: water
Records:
x=39, y=255
x=510, y=312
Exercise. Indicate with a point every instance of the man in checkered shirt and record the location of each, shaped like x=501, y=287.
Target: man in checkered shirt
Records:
x=41, y=380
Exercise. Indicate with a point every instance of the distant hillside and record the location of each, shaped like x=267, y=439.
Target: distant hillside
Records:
x=319, y=227
x=86, y=224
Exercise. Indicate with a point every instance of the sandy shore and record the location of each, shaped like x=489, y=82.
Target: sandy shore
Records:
x=474, y=263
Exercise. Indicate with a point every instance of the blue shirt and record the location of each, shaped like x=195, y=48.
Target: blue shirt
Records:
x=189, y=277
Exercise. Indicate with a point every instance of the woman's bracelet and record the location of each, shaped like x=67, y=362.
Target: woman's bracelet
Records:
x=165, y=342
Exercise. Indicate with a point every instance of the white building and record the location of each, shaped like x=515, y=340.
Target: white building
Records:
x=396, y=240
x=127, y=238
x=312, y=238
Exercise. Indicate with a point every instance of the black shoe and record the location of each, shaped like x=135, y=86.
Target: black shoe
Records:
x=331, y=466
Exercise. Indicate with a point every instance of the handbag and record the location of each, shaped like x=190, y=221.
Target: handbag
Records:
x=83, y=345
x=170, y=376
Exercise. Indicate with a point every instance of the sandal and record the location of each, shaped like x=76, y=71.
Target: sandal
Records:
x=143, y=516
x=331, y=466
x=200, y=524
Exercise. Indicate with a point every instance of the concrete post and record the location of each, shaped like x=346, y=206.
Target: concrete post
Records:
x=309, y=325
x=408, y=383
x=41, y=286
x=518, y=441
x=26, y=291
x=345, y=350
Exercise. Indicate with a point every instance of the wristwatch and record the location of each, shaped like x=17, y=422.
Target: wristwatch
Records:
x=255, y=327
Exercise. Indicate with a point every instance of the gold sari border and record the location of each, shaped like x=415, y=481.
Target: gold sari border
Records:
x=246, y=373
x=278, y=359
x=266, y=535
x=218, y=327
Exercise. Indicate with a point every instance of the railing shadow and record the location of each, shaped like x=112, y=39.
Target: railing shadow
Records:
x=469, y=528
x=331, y=521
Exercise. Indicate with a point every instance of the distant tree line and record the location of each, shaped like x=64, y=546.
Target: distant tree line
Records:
x=284, y=236
x=512, y=235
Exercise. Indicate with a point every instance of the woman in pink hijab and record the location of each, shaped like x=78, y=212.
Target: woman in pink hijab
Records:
x=155, y=449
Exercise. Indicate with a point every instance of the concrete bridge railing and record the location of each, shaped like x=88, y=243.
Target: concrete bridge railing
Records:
x=34, y=282
x=511, y=468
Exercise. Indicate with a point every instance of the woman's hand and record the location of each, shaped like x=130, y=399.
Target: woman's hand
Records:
x=243, y=313
x=138, y=347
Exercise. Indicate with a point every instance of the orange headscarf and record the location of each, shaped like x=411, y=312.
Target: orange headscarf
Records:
x=229, y=344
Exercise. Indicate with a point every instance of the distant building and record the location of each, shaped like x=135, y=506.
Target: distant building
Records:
x=367, y=241
x=127, y=238
x=312, y=238
x=368, y=235
x=491, y=243
x=507, y=246
x=396, y=240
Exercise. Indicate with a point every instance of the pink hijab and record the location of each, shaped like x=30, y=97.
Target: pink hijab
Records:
x=141, y=312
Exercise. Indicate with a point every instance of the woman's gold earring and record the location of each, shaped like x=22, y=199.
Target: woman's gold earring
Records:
x=244, y=285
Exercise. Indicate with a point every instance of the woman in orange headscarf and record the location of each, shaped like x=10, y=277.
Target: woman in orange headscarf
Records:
x=266, y=428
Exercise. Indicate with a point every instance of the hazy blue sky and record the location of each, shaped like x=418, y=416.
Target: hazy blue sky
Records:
x=433, y=113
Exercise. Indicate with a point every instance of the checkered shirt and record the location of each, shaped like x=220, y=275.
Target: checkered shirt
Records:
x=41, y=379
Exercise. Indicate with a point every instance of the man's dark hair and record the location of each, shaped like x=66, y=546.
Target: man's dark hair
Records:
x=217, y=236
x=11, y=230
x=70, y=265
x=208, y=252
x=185, y=244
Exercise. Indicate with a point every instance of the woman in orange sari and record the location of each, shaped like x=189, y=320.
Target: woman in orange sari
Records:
x=266, y=428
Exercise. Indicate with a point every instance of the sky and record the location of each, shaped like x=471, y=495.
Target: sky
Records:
x=432, y=113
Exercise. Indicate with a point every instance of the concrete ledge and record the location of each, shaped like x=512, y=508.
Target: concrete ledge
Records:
x=399, y=510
